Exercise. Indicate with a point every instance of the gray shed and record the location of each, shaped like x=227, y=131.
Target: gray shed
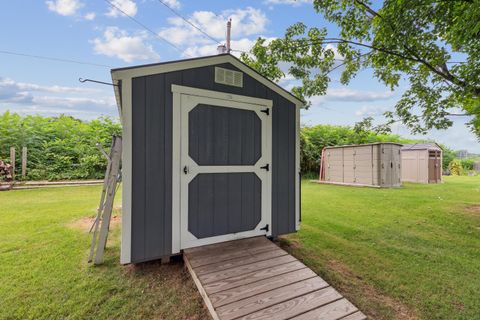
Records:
x=422, y=163
x=375, y=164
x=210, y=154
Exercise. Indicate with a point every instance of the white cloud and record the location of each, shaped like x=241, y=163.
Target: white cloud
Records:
x=64, y=7
x=127, y=6
x=288, y=2
x=336, y=54
x=8, y=85
x=90, y=16
x=345, y=94
x=31, y=98
x=245, y=22
x=175, y=4
x=118, y=43
x=240, y=45
x=456, y=137
x=370, y=111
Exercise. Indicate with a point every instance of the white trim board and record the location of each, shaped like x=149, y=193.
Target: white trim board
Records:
x=184, y=99
x=126, y=239
x=128, y=73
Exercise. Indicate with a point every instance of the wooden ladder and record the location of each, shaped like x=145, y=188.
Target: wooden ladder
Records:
x=101, y=224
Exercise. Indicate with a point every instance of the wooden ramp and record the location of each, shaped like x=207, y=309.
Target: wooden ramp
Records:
x=255, y=279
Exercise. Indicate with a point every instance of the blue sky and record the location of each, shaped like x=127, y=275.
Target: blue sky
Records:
x=92, y=32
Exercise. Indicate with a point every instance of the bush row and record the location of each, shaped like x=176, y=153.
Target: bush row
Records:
x=59, y=148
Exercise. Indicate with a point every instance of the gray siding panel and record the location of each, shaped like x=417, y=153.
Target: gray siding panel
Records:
x=152, y=158
x=155, y=165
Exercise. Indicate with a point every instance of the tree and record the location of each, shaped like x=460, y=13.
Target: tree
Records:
x=434, y=45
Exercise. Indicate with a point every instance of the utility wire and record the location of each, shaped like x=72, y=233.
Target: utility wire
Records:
x=145, y=27
x=53, y=59
x=189, y=22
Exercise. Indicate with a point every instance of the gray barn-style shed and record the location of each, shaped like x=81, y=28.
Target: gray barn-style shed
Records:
x=375, y=165
x=210, y=154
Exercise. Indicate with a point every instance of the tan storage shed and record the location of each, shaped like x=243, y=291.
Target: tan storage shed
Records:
x=375, y=164
x=422, y=163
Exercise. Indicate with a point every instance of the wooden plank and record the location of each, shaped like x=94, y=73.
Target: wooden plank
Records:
x=355, y=316
x=258, y=302
x=225, y=274
x=201, y=289
x=228, y=296
x=224, y=255
x=237, y=244
x=296, y=306
x=252, y=277
x=334, y=310
x=24, y=162
x=248, y=259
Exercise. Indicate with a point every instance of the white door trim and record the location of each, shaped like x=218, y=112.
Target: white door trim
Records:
x=179, y=213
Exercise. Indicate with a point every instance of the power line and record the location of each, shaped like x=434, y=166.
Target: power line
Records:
x=189, y=22
x=53, y=58
x=145, y=27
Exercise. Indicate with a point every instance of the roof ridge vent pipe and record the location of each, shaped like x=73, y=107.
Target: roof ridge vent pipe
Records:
x=229, y=31
x=225, y=48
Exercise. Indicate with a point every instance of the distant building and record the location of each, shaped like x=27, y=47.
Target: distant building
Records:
x=462, y=154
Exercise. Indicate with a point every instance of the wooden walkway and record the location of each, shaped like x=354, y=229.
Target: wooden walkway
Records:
x=255, y=279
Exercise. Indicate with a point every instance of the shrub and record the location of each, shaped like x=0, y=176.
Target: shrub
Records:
x=467, y=164
x=58, y=147
x=455, y=167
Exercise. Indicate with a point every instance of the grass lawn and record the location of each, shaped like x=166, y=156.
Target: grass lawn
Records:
x=402, y=253
x=44, y=273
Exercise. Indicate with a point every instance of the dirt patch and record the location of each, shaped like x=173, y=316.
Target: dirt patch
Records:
x=474, y=209
x=85, y=223
x=165, y=281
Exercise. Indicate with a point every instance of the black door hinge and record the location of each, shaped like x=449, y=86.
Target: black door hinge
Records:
x=266, y=111
x=266, y=167
x=185, y=169
x=265, y=228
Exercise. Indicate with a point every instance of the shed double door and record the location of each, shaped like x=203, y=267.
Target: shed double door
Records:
x=225, y=184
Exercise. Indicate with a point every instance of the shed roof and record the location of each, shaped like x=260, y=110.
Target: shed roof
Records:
x=421, y=146
x=119, y=74
x=362, y=145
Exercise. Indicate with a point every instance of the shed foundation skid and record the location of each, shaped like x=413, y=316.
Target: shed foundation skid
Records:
x=255, y=279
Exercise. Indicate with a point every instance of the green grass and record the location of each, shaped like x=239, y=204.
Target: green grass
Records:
x=402, y=253
x=412, y=252
x=44, y=272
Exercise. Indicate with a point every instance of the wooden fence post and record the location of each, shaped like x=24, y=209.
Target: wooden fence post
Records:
x=24, y=162
x=12, y=161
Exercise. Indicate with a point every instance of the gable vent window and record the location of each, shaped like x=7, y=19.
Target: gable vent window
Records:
x=228, y=77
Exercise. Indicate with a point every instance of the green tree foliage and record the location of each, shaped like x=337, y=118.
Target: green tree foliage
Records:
x=314, y=138
x=447, y=156
x=58, y=147
x=467, y=164
x=434, y=45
